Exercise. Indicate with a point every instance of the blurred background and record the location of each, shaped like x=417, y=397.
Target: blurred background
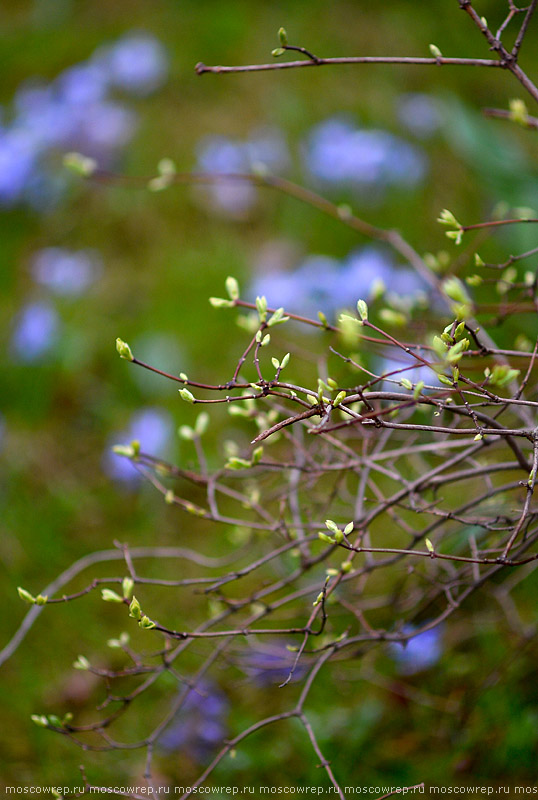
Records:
x=85, y=262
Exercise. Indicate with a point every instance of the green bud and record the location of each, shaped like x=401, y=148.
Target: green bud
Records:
x=406, y=383
x=275, y=362
x=439, y=346
x=323, y=319
x=220, y=302
x=339, y=398
x=185, y=432
x=41, y=600
x=166, y=167
x=474, y=280
x=278, y=51
x=123, y=450
x=418, y=389
x=478, y=437
x=232, y=287
x=392, y=317
x=283, y=37
x=362, y=308
x=266, y=339
x=502, y=375
x=196, y=511
x=237, y=463
x=40, y=720
x=81, y=663
x=331, y=572
x=460, y=331
x=146, y=623
x=26, y=596
x=429, y=545
x=285, y=361
x=331, y=525
x=349, y=528
x=456, y=235
x=377, y=289
x=124, y=350
x=159, y=183
x=169, y=497
x=338, y=537
x=478, y=261
x=187, y=396
x=518, y=111
x=446, y=217
x=201, y=424
x=325, y=538
x=111, y=597
x=257, y=455
x=455, y=290
x=346, y=566
x=261, y=305
x=318, y=599
x=134, y=609
x=277, y=318
x=79, y=164
x=434, y=50
x=443, y=379
x=127, y=586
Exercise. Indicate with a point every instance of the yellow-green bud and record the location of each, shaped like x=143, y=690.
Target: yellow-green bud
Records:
x=124, y=350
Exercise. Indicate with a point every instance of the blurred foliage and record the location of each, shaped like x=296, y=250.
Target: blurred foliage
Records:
x=164, y=254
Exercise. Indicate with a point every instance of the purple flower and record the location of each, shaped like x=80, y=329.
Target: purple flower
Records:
x=66, y=272
x=200, y=724
x=104, y=128
x=18, y=157
x=419, y=113
x=83, y=84
x=218, y=154
x=35, y=332
x=338, y=152
x=153, y=428
x=323, y=283
x=419, y=652
x=74, y=112
x=270, y=664
x=138, y=63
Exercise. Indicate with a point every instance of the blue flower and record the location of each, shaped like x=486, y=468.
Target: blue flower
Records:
x=82, y=84
x=321, y=283
x=18, y=157
x=419, y=113
x=337, y=152
x=200, y=725
x=103, y=129
x=35, y=333
x=418, y=653
x=137, y=63
x=75, y=112
x=153, y=428
x=270, y=664
x=66, y=272
x=221, y=155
